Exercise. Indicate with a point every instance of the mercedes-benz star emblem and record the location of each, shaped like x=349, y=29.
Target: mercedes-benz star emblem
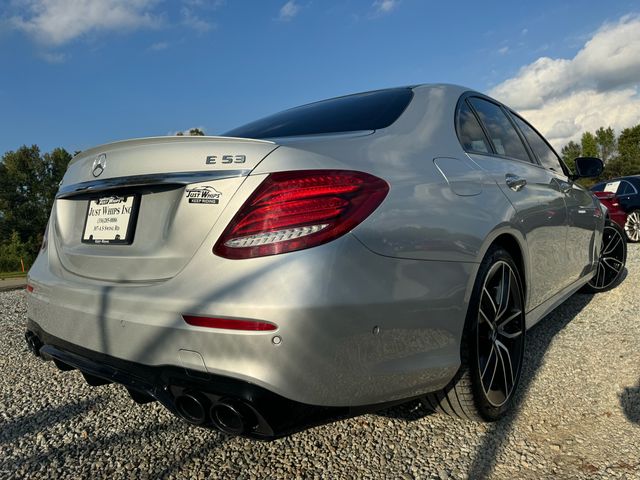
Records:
x=99, y=164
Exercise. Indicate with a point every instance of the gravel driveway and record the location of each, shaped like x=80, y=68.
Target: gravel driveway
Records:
x=580, y=417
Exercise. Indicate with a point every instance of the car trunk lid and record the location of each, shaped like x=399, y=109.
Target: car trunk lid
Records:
x=172, y=189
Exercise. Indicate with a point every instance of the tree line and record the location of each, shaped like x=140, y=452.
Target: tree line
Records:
x=28, y=185
x=620, y=154
x=29, y=181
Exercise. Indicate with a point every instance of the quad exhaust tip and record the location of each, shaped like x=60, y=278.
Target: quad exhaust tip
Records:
x=192, y=406
x=227, y=415
x=232, y=417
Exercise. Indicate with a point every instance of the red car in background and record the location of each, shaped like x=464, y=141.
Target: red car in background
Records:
x=609, y=200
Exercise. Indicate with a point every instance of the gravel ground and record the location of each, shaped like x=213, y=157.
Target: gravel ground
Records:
x=579, y=417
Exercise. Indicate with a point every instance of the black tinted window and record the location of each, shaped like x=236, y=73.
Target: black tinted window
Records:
x=625, y=188
x=470, y=132
x=543, y=151
x=363, y=111
x=503, y=135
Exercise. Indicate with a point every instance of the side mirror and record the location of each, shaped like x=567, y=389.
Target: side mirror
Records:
x=588, y=167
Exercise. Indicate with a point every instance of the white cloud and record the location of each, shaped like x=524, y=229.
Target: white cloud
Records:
x=385, y=6
x=289, y=10
x=53, y=57
x=504, y=50
x=56, y=22
x=600, y=86
x=159, y=46
x=194, y=22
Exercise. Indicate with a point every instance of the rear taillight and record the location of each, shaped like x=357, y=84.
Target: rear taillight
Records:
x=295, y=210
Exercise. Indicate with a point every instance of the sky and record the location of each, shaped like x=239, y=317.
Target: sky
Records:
x=77, y=73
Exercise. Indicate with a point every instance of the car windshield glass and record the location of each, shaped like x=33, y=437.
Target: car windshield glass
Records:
x=363, y=111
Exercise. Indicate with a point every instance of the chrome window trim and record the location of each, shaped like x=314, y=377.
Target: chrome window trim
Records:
x=178, y=178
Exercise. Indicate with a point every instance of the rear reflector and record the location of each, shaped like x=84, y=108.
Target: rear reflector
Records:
x=296, y=210
x=29, y=288
x=230, y=323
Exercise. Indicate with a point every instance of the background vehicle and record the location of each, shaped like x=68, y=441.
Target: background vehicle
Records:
x=626, y=189
x=350, y=254
x=609, y=200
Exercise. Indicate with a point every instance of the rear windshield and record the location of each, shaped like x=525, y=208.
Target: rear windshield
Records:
x=362, y=111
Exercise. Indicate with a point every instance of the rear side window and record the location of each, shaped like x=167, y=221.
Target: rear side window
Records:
x=363, y=111
x=626, y=188
x=612, y=187
x=543, y=151
x=503, y=135
x=470, y=132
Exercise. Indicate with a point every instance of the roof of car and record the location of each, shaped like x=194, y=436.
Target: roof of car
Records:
x=626, y=177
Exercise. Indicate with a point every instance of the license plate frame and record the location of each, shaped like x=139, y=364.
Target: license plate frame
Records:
x=112, y=218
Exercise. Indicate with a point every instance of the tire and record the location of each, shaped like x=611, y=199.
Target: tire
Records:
x=632, y=226
x=493, y=342
x=613, y=257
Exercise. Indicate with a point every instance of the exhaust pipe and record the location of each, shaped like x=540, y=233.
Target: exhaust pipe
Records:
x=33, y=343
x=192, y=407
x=232, y=417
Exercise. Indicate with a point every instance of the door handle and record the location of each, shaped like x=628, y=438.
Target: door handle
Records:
x=514, y=182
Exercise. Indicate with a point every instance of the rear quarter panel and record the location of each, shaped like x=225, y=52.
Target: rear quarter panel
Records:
x=441, y=205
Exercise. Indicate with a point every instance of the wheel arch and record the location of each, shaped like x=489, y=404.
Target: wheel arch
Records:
x=514, y=243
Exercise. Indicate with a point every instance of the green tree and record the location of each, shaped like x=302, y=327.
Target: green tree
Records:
x=28, y=184
x=589, y=145
x=628, y=160
x=606, y=140
x=629, y=143
x=193, y=132
x=12, y=252
x=570, y=152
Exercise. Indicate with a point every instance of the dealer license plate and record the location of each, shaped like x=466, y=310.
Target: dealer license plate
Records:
x=111, y=220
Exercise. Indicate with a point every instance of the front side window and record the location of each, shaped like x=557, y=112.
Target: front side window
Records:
x=502, y=133
x=542, y=150
x=470, y=132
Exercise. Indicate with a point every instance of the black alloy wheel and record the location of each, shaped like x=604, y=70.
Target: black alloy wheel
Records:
x=613, y=256
x=500, y=339
x=492, y=347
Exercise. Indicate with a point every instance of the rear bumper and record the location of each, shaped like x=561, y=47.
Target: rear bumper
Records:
x=264, y=414
x=355, y=328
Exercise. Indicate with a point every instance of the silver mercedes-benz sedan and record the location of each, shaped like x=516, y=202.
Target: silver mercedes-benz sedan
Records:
x=328, y=260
